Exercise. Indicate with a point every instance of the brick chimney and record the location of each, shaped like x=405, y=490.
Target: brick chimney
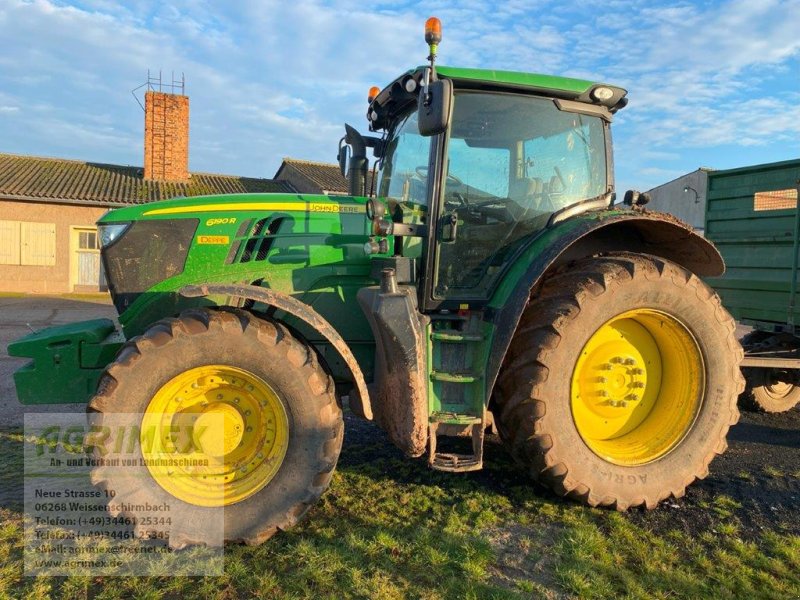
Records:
x=166, y=136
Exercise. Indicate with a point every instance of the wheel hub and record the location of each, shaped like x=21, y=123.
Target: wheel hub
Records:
x=214, y=435
x=215, y=442
x=636, y=387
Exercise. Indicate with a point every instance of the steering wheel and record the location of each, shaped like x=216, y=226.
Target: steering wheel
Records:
x=422, y=173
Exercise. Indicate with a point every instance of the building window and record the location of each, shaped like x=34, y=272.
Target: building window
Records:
x=23, y=243
x=775, y=200
x=87, y=240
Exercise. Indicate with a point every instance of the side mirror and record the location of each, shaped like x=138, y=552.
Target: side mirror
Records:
x=433, y=113
x=344, y=157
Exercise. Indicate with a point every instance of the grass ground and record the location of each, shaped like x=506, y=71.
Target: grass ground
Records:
x=391, y=528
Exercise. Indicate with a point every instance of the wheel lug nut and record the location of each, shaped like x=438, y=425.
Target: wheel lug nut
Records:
x=616, y=360
x=602, y=393
x=637, y=371
x=219, y=396
x=601, y=380
x=629, y=361
x=637, y=384
x=631, y=397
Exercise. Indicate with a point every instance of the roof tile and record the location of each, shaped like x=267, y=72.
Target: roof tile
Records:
x=56, y=179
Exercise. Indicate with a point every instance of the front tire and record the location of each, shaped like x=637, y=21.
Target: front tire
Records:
x=278, y=444
x=621, y=382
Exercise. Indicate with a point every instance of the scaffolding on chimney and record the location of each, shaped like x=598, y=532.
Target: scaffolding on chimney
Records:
x=166, y=127
x=159, y=84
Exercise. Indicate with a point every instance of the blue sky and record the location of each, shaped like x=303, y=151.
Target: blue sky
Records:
x=712, y=84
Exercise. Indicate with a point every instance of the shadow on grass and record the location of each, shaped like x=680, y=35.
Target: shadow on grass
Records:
x=389, y=527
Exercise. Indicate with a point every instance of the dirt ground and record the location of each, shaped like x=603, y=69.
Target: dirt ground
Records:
x=759, y=475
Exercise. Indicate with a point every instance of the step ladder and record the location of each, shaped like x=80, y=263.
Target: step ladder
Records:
x=456, y=392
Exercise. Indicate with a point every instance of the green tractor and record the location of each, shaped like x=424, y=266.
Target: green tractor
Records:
x=479, y=276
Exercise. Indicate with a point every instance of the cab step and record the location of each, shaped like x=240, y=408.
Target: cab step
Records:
x=442, y=336
x=455, y=377
x=456, y=426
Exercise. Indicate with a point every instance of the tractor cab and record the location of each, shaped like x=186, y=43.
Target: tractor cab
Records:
x=471, y=164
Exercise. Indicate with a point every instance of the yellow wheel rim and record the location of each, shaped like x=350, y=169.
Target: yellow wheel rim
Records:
x=214, y=435
x=637, y=387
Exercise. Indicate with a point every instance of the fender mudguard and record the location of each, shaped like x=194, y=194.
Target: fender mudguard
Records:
x=658, y=234
x=359, y=397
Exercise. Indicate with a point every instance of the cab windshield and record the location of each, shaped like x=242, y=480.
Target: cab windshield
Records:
x=404, y=170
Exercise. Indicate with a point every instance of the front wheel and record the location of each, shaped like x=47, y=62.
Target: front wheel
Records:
x=238, y=426
x=621, y=382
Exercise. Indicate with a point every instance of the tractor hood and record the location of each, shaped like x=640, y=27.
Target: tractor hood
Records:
x=154, y=249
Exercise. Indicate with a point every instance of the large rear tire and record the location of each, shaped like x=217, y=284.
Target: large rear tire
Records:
x=621, y=382
x=281, y=429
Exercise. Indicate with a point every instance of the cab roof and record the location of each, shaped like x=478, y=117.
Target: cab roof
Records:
x=395, y=97
x=534, y=81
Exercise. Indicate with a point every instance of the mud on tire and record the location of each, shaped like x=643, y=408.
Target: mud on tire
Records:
x=533, y=395
x=264, y=348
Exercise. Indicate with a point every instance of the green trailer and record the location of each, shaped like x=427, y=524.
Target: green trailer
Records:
x=752, y=217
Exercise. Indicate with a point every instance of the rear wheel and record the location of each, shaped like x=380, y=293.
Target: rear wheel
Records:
x=238, y=424
x=621, y=382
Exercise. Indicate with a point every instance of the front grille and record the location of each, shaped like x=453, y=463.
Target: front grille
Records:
x=149, y=252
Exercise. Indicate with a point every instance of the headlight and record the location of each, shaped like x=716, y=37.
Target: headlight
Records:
x=602, y=94
x=109, y=233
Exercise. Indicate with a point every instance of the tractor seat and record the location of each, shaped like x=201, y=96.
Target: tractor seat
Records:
x=526, y=191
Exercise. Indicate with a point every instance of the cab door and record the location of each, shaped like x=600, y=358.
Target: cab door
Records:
x=509, y=162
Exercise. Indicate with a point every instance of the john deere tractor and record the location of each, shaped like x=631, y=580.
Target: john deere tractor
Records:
x=479, y=274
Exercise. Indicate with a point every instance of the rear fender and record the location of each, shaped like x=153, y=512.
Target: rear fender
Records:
x=359, y=397
x=657, y=234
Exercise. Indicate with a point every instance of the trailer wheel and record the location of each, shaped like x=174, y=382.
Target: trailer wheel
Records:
x=258, y=427
x=771, y=390
x=621, y=382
